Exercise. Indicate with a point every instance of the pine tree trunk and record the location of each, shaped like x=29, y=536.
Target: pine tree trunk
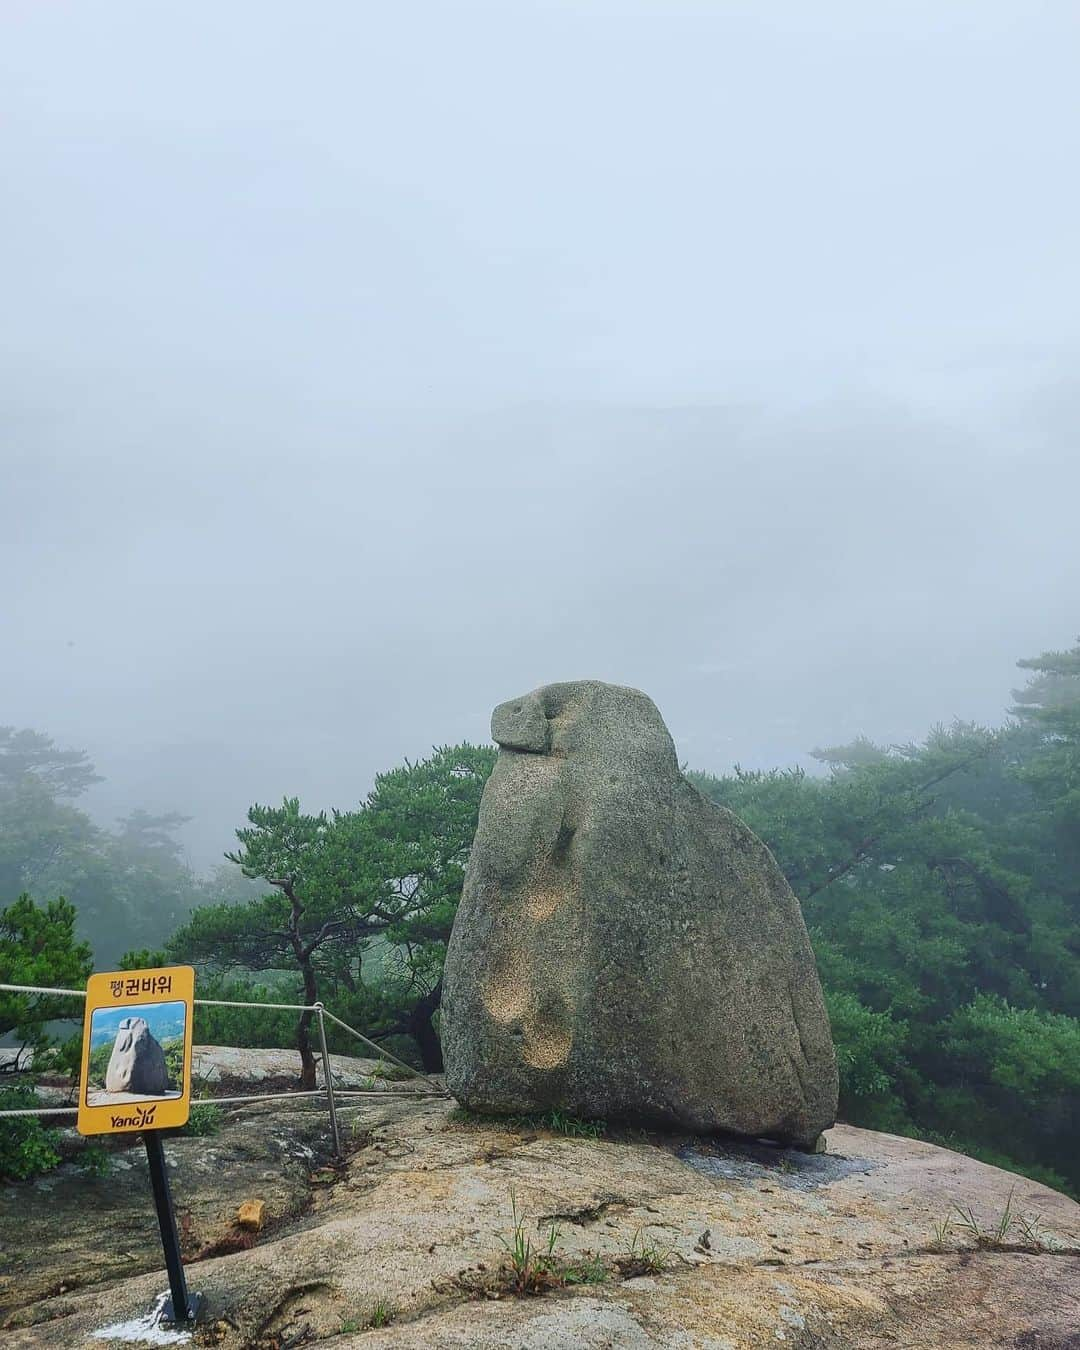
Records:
x=422, y=1029
x=311, y=989
x=303, y=1031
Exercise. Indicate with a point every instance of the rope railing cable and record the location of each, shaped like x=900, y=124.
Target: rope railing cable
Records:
x=37, y=989
x=202, y=1002
x=386, y=1054
x=437, y=1089
x=388, y=1094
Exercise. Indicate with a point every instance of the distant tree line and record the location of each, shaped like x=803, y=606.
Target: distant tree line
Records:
x=940, y=883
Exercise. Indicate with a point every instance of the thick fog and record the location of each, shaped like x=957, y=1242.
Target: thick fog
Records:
x=365, y=365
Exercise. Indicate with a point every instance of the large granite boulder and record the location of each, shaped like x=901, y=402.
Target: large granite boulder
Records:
x=625, y=948
x=137, y=1062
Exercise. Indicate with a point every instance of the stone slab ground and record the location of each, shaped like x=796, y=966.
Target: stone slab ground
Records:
x=403, y=1245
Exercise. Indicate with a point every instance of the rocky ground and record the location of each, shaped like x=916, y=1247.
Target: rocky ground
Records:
x=657, y=1242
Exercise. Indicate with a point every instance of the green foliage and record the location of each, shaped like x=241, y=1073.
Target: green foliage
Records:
x=29, y=754
x=382, y=1314
x=27, y=1147
x=532, y=1267
x=560, y=1122
x=363, y=901
x=645, y=1256
x=941, y=886
x=143, y=958
x=38, y=947
x=174, y=1058
x=204, y=1120
x=1012, y=1230
x=261, y=1027
x=869, y=1055
x=95, y=1160
x=98, y=1062
x=1049, y=708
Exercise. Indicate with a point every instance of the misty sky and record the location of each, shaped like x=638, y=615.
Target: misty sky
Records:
x=365, y=365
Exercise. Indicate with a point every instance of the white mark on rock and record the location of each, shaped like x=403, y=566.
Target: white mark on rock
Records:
x=145, y=1330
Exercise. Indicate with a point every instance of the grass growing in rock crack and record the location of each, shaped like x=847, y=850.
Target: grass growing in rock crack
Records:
x=644, y=1257
x=382, y=1314
x=531, y=1267
x=940, y=1233
x=1012, y=1230
x=536, y=1267
x=589, y=1270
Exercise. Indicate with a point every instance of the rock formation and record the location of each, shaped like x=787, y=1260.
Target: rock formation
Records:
x=137, y=1062
x=625, y=948
x=757, y=1246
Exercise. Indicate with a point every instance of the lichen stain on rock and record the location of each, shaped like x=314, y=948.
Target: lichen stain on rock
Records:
x=547, y=1045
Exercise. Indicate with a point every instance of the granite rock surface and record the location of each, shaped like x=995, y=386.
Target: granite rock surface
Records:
x=624, y=948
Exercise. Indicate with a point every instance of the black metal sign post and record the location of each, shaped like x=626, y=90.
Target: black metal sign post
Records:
x=181, y=1307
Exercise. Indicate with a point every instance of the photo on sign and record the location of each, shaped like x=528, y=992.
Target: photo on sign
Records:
x=136, y=1053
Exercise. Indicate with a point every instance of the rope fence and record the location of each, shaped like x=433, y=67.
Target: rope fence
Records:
x=329, y=1092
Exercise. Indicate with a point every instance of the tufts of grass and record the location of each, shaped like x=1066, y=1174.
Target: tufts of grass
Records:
x=556, y=1121
x=382, y=1314
x=590, y=1270
x=391, y=1073
x=939, y=1234
x=561, y=1122
x=644, y=1257
x=1012, y=1230
x=532, y=1267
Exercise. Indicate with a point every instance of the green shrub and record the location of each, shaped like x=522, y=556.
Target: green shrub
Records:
x=27, y=1147
x=205, y=1120
x=95, y=1161
x=869, y=1057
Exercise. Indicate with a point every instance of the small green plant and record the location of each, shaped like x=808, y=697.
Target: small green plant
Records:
x=590, y=1270
x=95, y=1160
x=349, y=1325
x=1033, y=1234
x=965, y=1219
x=27, y=1148
x=558, y=1122
x=939, y=1233
x=531, y=1268
x=999, y=1234
x=1028, y=1229
x=205, y=1120
x=382, y=1314
x=392, y=1073
x=561, y=1122
x=644, y=1256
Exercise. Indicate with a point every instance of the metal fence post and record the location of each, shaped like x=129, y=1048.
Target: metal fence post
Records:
x=329, y=1079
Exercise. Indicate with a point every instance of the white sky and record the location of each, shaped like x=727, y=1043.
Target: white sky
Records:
x=364, y=365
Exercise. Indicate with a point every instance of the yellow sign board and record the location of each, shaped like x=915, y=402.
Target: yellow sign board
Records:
x=136, y=1058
